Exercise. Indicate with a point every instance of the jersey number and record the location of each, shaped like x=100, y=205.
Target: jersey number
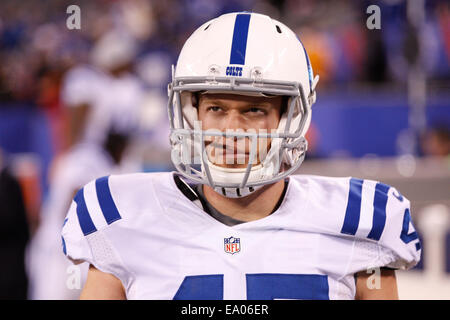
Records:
x=261, y=286
x=405, y=236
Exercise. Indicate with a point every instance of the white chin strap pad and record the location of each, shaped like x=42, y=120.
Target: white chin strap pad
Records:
x=234, y=175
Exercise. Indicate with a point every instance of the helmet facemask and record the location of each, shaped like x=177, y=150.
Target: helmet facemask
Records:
x=190, y=153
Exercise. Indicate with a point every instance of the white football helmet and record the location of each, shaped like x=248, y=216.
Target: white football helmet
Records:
x=248, y=54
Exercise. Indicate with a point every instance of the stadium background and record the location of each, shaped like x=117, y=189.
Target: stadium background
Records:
x=382, y=112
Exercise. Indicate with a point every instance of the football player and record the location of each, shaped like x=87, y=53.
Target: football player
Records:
x=104, y=101
x=233, y=223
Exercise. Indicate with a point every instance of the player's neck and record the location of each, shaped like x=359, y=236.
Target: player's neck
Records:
x=257, y=205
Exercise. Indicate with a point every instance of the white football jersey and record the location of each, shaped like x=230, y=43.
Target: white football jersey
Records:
x=79, y=165
x=114, y=101
x=144, y=230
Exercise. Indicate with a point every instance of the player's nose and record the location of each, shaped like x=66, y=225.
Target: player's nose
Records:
x=233, y=121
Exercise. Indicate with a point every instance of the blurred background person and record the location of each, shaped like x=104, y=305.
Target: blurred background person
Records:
x=14, y=236
x=94, y=92
x=104, y=100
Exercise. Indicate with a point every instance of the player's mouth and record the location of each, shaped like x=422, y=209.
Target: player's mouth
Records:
x=229, y=148
x=228, y=153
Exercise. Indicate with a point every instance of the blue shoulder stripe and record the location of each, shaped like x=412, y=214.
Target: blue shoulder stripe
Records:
x=379, y=211
x=353, y=211
x=240, y=34
x=64, y=245
x=86, y=224
x=106, y=201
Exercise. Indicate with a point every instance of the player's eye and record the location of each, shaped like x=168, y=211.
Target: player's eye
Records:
x=214, y=109
x=256, y=111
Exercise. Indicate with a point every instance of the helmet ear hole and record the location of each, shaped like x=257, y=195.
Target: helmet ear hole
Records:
x=194, y=99
x=278, y=28
x=284, y=105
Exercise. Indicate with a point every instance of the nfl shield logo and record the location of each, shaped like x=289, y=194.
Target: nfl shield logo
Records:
x=232, y=245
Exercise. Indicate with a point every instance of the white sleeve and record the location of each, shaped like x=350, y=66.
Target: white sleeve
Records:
x=379, y=218
x=75, y=244
x=83, y=236
x=400, y=239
